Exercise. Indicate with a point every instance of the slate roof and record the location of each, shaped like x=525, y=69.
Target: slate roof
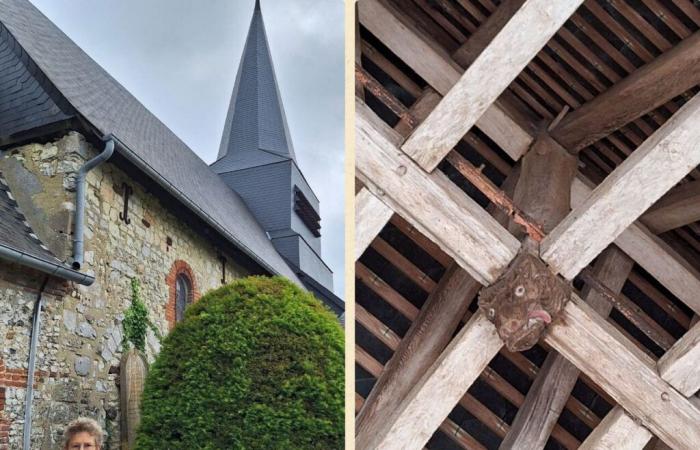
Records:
x=17, y=236
x=255, y=131
x=27, y=99
x=15, y=231
x=143, y=139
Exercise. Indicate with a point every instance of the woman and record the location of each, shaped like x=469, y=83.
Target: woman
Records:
x=83, y=434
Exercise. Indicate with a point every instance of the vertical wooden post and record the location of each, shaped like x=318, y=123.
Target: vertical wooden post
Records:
x=543, y=191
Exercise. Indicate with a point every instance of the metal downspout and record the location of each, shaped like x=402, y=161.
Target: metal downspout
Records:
x=36, y=326
x=80, y=186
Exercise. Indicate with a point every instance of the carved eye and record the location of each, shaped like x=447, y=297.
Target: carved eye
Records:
x=492, y=313
x=519, y=290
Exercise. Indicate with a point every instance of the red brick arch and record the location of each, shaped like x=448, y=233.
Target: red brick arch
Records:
x=177, y=268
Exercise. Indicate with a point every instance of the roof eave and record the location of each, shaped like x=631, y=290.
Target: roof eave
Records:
x=132, y=157
x=51, y=268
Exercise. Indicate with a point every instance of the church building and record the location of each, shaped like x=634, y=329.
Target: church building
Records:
x=96, y=191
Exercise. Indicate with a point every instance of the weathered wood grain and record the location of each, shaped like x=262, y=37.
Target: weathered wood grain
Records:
x=451, y=429
x=412, y=424
x=546, y=172
x=652, y=254
x=654, y=84
x=487, y=31
x=617, y=431
x=522, y=37
x=419, y=110
x=359, y=89
x=371, y=215
x=428, y=336
x=625, y=372
x=679, y=207
x=436, y=67
x=654, y=168
x=431, y=203
x=680, y=366
x=549, y=393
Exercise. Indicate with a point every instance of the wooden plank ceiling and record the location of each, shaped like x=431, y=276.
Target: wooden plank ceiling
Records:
x=599, y=46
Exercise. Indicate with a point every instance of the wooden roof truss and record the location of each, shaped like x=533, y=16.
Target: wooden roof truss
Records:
x=468, y=113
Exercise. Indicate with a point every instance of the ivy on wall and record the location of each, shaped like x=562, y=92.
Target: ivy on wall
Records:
x=136, y=321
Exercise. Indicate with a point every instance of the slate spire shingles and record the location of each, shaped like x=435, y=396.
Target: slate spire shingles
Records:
x=255, y=131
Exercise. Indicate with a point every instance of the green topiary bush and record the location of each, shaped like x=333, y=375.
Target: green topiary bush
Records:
x=257, y=364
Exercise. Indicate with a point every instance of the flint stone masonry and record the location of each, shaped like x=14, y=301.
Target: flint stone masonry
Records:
x=80, y=343
x=86, y=330
x=82, y=366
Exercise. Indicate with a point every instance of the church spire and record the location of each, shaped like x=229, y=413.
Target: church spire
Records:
x=255, y=131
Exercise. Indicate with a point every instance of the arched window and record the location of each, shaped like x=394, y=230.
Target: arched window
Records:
x=182, y=291
x=183, y=295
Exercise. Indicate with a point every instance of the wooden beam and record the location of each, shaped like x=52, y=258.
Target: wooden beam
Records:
x=391, y=27
x=371, y=215
x=487, y=31
x=419, y=110
x=431, y=203
x=382, y=289
x=680, y=366
x=384, y=334
x=388, y=67
x=617, y=431
x=448, y=427
x=625, y=372
x=678, y=208
x=658, y=445
x=428, y=336
x=430, y=401
x=359, y=89
x=652, y=254
x=421, y=241
x=647, y=88
x=493, y=70
x=546, y=170
x=549, y=393
x=436, y=67
x=398, y=260
x=654, y=168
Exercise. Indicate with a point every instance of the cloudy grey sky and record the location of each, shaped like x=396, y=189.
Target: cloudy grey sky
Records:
x=180, y=57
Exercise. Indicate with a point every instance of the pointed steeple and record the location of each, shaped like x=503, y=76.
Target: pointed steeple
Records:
x=255, y=131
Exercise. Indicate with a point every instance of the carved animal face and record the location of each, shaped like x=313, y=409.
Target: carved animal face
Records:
x=523, y=302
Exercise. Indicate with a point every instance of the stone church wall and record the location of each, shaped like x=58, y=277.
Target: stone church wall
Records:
x=81, y=335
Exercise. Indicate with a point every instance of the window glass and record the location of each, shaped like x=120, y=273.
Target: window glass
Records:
x=183, y=295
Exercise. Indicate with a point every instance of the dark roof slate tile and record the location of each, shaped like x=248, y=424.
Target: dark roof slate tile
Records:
x=15, y=232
